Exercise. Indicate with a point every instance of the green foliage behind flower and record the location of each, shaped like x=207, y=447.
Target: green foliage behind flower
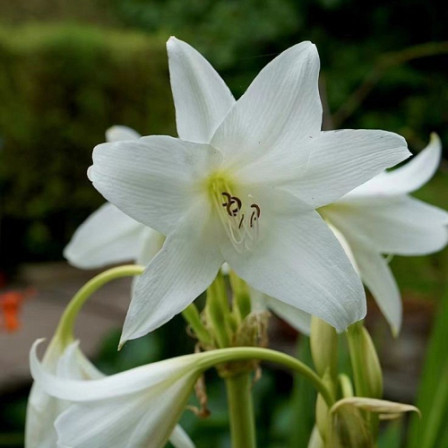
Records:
x=61, y=87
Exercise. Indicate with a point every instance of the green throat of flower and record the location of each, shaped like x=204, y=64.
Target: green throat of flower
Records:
x=238, y=213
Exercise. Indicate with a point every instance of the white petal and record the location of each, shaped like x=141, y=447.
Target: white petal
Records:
x=43, y=409
x=119, y=133
x=153, y=375
x=377, y=276
x=298, y=260
x=201, y=97
x=151, y=179
x=141, y=419
x=341, y=160
x=280, y=108
x=184, y=268
x=151, y=243
x=139, y=407
x=107, y=236
x=180, y=439
x=399, y=225
x=298, y=319
x=409, y=177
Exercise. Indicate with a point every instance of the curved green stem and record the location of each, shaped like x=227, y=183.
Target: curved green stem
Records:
x=66, y=325
x=213, y=357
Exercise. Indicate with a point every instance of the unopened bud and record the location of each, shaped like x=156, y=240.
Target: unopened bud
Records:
x=366, y=365
x=324, y=347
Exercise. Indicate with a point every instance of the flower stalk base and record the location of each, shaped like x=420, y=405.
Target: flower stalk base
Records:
x=241, y=411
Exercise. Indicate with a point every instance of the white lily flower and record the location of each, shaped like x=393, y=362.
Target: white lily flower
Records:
x=108, y=235
x=241, y=185
x=135, y=408
x=42, y=409
x=379, y=218
x=66, y=362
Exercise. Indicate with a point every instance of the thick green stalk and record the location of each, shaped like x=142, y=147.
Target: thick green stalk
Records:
x=241, y=411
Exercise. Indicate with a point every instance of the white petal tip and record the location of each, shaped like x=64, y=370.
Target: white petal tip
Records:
x=173, y=40
x=90, y=173
x=434, y=139
x=118, y=133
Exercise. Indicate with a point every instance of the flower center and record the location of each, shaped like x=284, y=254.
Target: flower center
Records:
x=238, y=214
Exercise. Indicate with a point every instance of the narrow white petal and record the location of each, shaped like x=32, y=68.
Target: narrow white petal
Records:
x=279, y=109
x=298, y=319
x=43, y=409
x=377, y=276
x=153, y=375
x=185, y=266
x=409, y=177
x=298, y=260
x=107, y=236
x=201, y=97
x=139, y=407
x=258, y=300
x=341, y=160
x=119, y=133
x=141, y=419
x=398, y=225
x=180, y=439
x=151, y=243
x=151, y=179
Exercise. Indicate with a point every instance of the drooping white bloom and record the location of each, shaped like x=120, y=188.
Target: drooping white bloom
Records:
x=379, y=218
x=42, y=409
x=66, y=364
x=135, y=408
x=242, y=185
x=110, y=236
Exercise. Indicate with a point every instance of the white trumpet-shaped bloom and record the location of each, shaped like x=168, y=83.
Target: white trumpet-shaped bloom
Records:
x=241, y=185
x=43, y=409
x=135, y=408
x=379, y=218
x=64, y=362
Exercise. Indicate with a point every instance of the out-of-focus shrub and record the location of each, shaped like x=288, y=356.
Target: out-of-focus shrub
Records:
x=60, y=88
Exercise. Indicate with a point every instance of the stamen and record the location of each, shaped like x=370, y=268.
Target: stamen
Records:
x=238, y=215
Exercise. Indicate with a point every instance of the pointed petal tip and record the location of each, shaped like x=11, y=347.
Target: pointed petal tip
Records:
x=395, y=329
x=172, y=42
x=121, y=343
x=434, y=139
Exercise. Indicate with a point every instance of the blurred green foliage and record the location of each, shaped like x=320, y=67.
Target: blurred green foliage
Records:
x=61, y=87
